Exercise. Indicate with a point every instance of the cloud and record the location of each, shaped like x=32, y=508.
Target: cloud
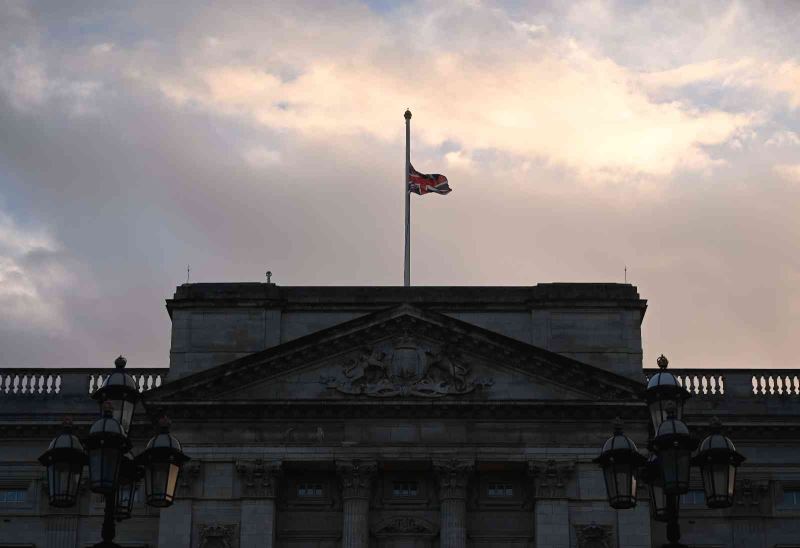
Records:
x=32, y=275
x=533, y=104
x=789, y=172
x=578, y=138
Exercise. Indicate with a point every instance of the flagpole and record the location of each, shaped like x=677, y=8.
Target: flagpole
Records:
x=407, y=269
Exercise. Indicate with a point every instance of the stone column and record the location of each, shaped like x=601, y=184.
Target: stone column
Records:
x=356, y=477
x=453, y=477
x=62, y=531
x=259, y=488
x=551, y=506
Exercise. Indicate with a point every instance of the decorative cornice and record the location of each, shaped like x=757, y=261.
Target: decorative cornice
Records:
x=259, y=479
x=356, y=478
x=453, y=476
x=550, y=477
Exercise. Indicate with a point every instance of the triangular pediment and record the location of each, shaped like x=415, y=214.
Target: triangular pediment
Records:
x=404, y=353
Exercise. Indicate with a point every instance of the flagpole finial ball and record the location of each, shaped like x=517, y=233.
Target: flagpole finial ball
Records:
x=407, y=115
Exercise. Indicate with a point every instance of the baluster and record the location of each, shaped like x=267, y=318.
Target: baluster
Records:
x=779, y=385
x=4, y=384
x=787, y=385
x=712, y=381
x=771, y=382
x=722, y=384
x=48, y=389
x=796, y=384
x=704, y=383
x=57, y=384
x=763, y=383
x=697, y=385
x=25, y=382
x=42, y=382
x=157, y=383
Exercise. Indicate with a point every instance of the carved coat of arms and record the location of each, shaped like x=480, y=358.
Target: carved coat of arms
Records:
x=405, y=368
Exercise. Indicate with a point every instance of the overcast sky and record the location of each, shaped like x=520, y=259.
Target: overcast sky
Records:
x=578, y=138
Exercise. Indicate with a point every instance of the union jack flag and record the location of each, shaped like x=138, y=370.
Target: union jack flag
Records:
x=423, y=183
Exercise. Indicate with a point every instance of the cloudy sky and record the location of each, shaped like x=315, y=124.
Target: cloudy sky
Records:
x=578, y=137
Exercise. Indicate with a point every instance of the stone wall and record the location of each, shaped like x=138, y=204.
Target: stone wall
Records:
x=599, y=324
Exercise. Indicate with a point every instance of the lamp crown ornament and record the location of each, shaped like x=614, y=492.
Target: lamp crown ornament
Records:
x=715, y=425
x=407, y=115
x=669, y=407
x=108, y=409
x=164, y=424
x=618, y=426
x=120, y=362
x=67, y=425
x=662, y=362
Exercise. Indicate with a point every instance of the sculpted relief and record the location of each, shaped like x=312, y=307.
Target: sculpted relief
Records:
x=405, y=368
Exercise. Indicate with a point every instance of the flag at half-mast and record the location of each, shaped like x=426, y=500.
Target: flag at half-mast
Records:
x=424, y=183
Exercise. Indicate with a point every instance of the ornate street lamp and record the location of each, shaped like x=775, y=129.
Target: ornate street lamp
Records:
x=620, y=460
x=663, y=390
x=162, y=460
x=674, y=445
x=120, y=389
x=107, y=443
x=666, y=472
x=64, y=460
x=113, y=470
x=718, y=461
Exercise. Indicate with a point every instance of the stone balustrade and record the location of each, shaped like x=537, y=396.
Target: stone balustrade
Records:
x=721, y=383
x=41, y=382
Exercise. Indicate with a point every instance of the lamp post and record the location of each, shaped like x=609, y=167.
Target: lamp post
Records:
x=113, y=470
x=666, y=471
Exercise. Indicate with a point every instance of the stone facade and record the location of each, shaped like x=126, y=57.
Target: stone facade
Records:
x=403, y=417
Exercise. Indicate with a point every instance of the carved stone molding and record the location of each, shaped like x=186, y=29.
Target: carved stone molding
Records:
x=189, y=474
x=550, y=477
x=259, y=478
x=356, y=478
x=218, y=536
x=453, y=477
x=405, y=368
x=750, y=492
x=405, y=526
x=594, y=535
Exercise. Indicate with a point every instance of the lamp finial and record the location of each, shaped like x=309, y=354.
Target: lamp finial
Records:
x=662, y=361
x=120, y=362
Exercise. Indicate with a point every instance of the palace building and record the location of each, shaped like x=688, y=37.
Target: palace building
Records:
x=425, y=417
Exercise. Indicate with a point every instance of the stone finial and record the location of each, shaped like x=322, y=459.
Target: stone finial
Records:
x=120, y=362
x=662, y=362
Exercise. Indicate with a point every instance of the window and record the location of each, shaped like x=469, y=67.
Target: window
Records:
x=695, y=497
x=13, y=496
x=404, y=489
x=501, y=490
x=791, y=497
x=309, y=489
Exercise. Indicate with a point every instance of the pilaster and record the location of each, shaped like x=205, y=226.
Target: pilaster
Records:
x=551, y=506
x=453, y=477
x=258, y=490
x=356, y=479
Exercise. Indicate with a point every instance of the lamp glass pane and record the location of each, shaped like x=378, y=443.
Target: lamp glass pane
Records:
x=675, y=466
x=160, y=482
x=63, y=479
x=731, y=480
x=611, y=481
x=104, y=468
